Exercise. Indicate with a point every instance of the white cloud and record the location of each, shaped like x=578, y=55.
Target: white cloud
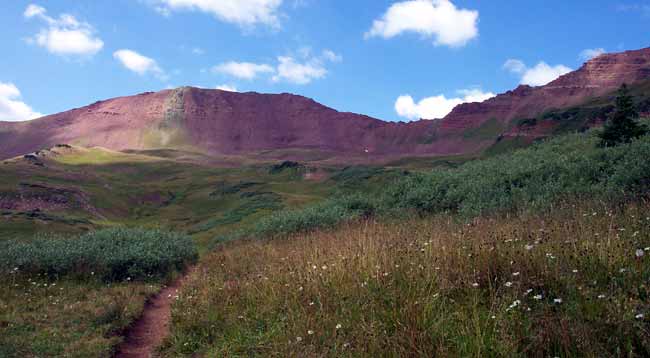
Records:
x=198, y=51
x=540, y=75
x=301, y=68
x=139, y=64
x=438, y=106
x=515, y=66
x=332, y=56
x=245, y=13
x=303, y=72
x=242, y=70
x=65, y=36
x=11, y=108
x=299, y=73
x=225, y=87
x=441, y=19
x=590, y=53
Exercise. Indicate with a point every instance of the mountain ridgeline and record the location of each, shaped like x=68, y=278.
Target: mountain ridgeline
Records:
x=216, y=122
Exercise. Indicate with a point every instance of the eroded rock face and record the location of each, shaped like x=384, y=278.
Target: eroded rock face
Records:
x=219, y=122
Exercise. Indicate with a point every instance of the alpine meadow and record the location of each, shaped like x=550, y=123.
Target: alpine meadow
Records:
x=211, y=208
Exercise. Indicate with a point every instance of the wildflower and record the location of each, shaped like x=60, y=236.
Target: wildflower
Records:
x=640, y=253
x=310, y=332
x=575, y=271
x=339, y=326
x=646, y=249
x=639, y=316
x=508, y=284
x=557, y=301
x=515, y=274
x=300, y=288
x=298, y=339
x=623, y=270
x=528, y=292
x=324, y=267
x=537, y=297
x=475, y=284
x=529, y=247
x=311, y=303
x=601, y=296
x=513, y=305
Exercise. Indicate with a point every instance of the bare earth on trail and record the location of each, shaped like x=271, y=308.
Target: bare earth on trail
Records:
x=152, y=327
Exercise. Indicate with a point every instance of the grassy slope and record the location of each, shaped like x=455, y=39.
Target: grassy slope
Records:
x=145, y=190
x=139, y=190
x=78, y=318
x=42, y=318
x=564, y=283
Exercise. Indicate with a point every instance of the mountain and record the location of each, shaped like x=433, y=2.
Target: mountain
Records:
x=217, y=122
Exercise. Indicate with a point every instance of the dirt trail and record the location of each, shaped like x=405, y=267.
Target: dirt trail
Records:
x=148, y=332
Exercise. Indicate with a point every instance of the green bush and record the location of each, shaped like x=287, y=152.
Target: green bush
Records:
x=569, y=166
x=320, y=216
x=112, y=254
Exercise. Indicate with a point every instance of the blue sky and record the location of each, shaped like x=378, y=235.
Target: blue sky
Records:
x=394, y=60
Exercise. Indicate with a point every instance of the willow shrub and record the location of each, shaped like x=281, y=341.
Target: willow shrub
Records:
x=112, y=254
x=570, y=166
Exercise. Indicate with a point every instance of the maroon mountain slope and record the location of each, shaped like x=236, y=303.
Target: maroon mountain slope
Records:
x=220, y=122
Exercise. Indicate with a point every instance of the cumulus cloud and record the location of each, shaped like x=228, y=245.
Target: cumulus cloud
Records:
x=590, y=53
x=290, y=70
x=11, y=107
x=245, y=13
x=229, y=88
x=440, y=19
x=303, y=71
x=242, y=70
x=539, y=75
x=65, y=36
x=300, y=69
x=438, y=106
x=139, y=64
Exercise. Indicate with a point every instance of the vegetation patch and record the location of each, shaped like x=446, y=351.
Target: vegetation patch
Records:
x=225, y=188
x=112, y=254
x=567, y=282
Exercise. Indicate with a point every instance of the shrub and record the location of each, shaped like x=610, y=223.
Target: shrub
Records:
x=533, y=178
x=321, y=216
x=111, y=254
x=529, y=179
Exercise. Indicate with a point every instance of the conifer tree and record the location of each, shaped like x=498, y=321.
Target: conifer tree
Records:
x=622, y=127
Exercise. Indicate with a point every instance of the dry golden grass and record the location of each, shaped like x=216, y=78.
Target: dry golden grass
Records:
x=572, y=282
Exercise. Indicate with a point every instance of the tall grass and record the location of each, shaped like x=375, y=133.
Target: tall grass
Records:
x=572, y=281
x=111, y=254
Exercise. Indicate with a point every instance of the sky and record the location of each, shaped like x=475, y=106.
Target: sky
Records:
x=393, y=60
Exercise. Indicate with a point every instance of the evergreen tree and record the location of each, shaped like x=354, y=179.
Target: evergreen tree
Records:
x=622, y=126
